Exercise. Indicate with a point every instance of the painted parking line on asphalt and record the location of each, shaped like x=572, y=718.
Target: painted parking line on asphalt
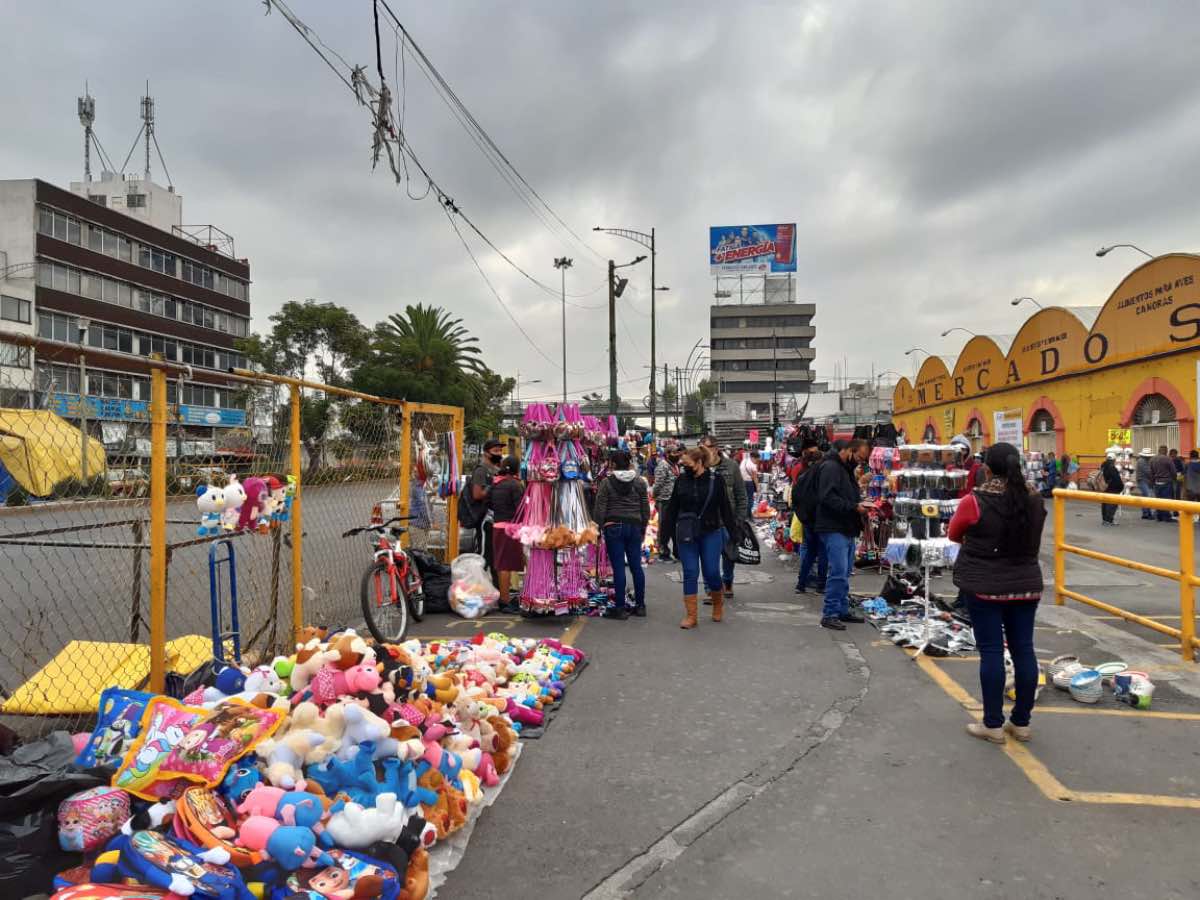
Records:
x=1034, y=769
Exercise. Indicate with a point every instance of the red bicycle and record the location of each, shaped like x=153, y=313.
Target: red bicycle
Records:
x=391, y=587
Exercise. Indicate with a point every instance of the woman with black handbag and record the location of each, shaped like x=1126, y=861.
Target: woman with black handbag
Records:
x=700, y=517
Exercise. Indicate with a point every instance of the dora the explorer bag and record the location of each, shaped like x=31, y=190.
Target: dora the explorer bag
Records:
x=687, y=525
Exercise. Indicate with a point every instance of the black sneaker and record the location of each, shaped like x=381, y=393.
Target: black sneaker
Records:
x=620, y=614
x=801, y=590
x=639, y=611
x=851, y=618
x=832, y=623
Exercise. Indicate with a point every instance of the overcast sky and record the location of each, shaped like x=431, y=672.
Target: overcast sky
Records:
x=939, y=158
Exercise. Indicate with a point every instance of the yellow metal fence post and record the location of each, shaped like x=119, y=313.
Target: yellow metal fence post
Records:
x=405, y=463
x=158, y=530
x=452, y=501
x=1187, y=591
x=1060, y=539
x=297, y=519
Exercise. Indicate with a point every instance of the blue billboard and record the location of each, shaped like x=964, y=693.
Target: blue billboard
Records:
x=760, y=249
x=112, y=409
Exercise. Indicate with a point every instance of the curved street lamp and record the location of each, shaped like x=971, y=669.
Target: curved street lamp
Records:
x=1017, y=302
x=959, y=328
x=1104, y=251
x=647, y=241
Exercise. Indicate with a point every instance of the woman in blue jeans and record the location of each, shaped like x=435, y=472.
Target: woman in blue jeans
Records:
x=700, y=517
x=623, y=511
x=998, y=576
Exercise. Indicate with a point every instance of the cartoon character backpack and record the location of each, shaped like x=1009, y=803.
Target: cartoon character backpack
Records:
x=202, y=817
x=88, y=819
x=174, y=865
x=351, y=877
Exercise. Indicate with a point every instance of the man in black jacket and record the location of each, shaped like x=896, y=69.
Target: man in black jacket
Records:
x=839, y=521
x=1112, y=485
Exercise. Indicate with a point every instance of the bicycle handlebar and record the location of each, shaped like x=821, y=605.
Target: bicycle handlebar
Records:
x=360, y=529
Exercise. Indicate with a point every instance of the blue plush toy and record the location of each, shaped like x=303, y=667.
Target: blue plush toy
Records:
x=173, y=865
x=400, y=778
x=292, y=846
x=354, y=777
x=240, y=781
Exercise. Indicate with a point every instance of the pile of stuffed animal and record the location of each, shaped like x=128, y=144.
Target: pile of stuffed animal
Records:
x=330, y=773
x=256, y=504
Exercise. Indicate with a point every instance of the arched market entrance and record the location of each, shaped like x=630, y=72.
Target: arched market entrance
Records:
x=1155, y=423
x=1042, y=434
x=975, y=434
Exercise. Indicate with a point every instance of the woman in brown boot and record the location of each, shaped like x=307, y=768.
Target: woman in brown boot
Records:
x=699, y=515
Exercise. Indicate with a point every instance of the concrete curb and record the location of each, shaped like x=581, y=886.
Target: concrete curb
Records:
x=1163, y=665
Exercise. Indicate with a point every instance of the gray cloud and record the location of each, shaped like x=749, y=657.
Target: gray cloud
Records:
x=938, y=158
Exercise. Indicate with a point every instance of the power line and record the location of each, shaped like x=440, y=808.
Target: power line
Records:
x=451, y=97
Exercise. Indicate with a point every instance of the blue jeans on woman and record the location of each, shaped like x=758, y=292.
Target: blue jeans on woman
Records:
x=813, y=551
x=996, y=621
x=839, y=548
x=624, y=543
x=702, y=554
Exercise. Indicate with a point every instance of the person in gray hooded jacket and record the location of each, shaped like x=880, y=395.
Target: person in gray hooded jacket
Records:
x=623, y=511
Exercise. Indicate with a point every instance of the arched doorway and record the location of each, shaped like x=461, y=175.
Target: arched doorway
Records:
x=930, y=436
x=1155, y=423
x=1042, y=435
x=974, y=434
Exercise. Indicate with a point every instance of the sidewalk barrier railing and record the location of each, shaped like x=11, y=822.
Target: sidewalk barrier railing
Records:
x=1185, y=575
x=107, y=577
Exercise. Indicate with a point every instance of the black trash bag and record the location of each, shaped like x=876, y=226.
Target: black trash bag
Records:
x=33, y=782
x=748, y=553
x=435, y=579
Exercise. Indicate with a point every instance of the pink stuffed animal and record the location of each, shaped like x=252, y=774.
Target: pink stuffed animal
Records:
x=263, y=800
x=255, y=831
x=331, y=683
x=257, y=493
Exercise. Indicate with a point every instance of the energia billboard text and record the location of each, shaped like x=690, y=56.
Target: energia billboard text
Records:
x=752, y=248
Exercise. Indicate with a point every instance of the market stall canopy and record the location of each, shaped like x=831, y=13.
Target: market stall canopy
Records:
x=40, y=450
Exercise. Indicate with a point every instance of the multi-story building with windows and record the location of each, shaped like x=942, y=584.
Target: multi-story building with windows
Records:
x=762, y=353
x=109, y=265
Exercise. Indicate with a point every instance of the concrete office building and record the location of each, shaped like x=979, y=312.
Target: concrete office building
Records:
x=762, y=354
x=110, y=265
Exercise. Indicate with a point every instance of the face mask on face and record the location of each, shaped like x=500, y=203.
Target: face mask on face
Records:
x=495, y=458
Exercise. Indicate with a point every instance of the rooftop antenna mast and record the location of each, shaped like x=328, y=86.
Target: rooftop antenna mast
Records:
x=148, y=125
x=86, y=107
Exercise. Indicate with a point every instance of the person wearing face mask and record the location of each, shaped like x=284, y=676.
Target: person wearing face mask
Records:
x=481, y=480
x=700, y=516
x=664, y=483
x=838, y=520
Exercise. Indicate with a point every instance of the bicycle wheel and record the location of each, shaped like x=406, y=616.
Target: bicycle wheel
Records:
x=383, y=604
x=416, y=604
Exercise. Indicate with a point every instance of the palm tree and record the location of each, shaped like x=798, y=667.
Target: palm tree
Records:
x=426, y=340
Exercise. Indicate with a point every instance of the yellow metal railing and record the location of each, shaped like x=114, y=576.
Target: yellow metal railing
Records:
x=1185, y=575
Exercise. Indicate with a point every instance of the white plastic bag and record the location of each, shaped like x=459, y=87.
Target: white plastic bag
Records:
x=472, y=593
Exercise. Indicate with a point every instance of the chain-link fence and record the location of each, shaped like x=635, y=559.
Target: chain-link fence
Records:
x=249, y=531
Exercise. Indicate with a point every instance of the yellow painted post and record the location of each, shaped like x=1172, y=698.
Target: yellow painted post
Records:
x=158, y=530
x=405, y=462
x=297, y=520
x=1060, y=557
x=1187, y=593
x=452, y=502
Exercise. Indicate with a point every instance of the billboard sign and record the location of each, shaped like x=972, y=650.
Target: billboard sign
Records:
x=112, y=409
x=757, y=249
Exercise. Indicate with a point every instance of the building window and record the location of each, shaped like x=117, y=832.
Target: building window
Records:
x=14, y=309
x=14, y=356
x=14, y=398
x=58, y=225
x=1154, y=409
x=98, y=199
x=1042, y=422
x=135, y=201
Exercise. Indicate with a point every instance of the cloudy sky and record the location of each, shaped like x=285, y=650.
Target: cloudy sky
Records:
x=939, y=158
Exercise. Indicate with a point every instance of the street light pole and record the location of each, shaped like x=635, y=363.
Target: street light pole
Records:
x=562, y=264
x=612, y=339
x=647, y=241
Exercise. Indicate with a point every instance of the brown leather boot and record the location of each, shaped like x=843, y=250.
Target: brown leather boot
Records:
x=689, y=615
x=718, y=605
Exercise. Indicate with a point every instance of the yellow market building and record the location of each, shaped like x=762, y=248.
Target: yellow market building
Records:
x=1075, y=386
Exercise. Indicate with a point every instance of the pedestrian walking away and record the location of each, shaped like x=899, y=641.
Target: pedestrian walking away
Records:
x=1000, y=581
x=508, y=554
x=1191, y=477
x=1177, y=462
x=1162, y=471
x=701, y=518
x=1112, y=485
x=838, y=520
x=739, y=502
x=812, y=550
x=664, y=482
x=1145, y=478
x=623, y=511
